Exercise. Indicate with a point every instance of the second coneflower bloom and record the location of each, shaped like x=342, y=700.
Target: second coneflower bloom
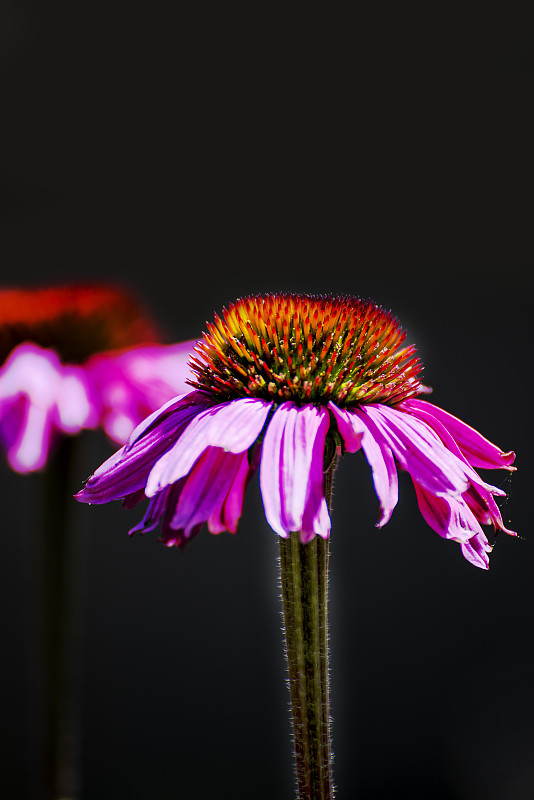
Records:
x=75, y=357
x=282, y=383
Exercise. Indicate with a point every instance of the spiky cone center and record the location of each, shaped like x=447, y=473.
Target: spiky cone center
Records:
x=77, y=321
x=305, y=348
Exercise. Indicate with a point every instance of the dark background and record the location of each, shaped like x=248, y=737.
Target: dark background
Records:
x=199, y=159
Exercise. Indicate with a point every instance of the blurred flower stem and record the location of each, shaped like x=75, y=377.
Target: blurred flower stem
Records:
x=304, y=580
x=59, y=767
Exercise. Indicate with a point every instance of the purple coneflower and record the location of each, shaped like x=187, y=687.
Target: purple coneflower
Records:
x=76, y=357
x=279, y=381
x=285, y=384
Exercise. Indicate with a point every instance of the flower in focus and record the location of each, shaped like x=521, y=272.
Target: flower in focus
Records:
x=281, y=383
x=77, y=357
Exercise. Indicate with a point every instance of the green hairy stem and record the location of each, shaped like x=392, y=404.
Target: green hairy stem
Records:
x=304, y=579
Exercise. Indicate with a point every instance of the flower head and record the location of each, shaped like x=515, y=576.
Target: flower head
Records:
x=277, y=379
x=75, y=357
x=306, y=349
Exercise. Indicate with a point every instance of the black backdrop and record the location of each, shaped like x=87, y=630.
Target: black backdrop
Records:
x=197, y=160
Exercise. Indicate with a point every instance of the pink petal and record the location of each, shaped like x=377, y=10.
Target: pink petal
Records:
x=158, y=416
x=131, y=500
x=450, y=444
x=452, y=519
x=158, y=506
x=270, y=469
x=291, y=471
x=449, y=516
x=315, y=517
x=206, y=489
x=419, y=450
x=479, y=496
x=476, y=551
x=227, y=517
x=126, y=471
x=233, y=426
x=349, y=427
x=479, y=451
x=485, y=509
x=357, y=428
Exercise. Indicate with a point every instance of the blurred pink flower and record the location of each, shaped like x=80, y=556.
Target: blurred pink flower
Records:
x=129, y=385
x=78, y=357
x=280, y=381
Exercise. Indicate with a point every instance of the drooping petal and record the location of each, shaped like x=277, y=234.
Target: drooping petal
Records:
x=227, y=517
x=271, y=467
x=449, y=516
x=153, y=515
x=131, y=500
x=453, y=519
x=480, y=495
x=484, y=490
x=358, y=428
x=315, y=516
x=159, y=507
x=476, y=550
x=485, y=509
x=206, y=489
x=419, y=450
x=127, y=470
x=182, y=518
x=291, y=471
x=479, y=451
x=169, y=537
x=158, y=416
x=233, y=426
x=349, y=426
